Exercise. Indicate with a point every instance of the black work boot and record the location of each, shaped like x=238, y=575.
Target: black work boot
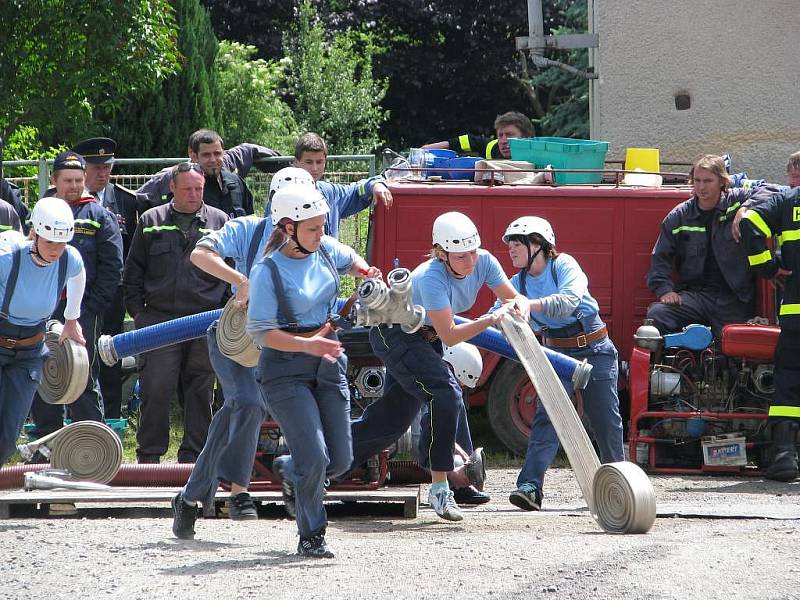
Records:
x=314, y=546
x=242, y=508
x=183, y=518
x=784, y=465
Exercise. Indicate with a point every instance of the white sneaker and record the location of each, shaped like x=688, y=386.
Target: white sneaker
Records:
x=444, y=505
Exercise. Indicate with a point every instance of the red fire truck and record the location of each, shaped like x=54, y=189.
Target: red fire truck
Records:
x=611, y=231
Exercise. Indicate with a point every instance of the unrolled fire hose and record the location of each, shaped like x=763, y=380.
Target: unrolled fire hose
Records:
x=232, y=338
x=619, y=495
x=66, y=369
x=87, y=450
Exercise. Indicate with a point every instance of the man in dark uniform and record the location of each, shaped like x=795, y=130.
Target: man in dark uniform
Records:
x=508, y=125
x=11, y=194
x=9, y=219
x=125, y=205
x=161, y=284
x=714, y=286
x=98, y=240
x=779, y=216
x=225, y=171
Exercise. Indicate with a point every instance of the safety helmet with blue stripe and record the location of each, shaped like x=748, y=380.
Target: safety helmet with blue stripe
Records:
x=52, y=219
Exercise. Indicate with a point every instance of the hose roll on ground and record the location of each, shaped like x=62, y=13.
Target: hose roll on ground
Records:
x=88, y=450
x=232, y=338
x=66, y=369
x=624, y=500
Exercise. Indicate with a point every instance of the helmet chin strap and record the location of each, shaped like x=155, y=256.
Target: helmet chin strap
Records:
x=456, y=273
x=532, y=256
x=38, y=259
x=297, y=241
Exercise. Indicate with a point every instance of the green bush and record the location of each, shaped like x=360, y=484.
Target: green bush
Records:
x=249, y=101
x=335, y=94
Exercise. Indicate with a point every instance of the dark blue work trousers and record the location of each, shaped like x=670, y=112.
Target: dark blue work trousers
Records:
x=310, y=399
x=20, y=375
x=705, y=307
x=230, y=448
x=415, y=375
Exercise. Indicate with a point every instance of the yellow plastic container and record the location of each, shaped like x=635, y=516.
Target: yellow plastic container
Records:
x=643, y=159
x=643, y=162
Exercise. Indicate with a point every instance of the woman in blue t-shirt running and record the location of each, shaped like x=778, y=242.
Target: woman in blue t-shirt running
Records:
x=32, y=274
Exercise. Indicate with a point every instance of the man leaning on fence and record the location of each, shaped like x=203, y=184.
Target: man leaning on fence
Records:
x=344, y=200
x=224, y=171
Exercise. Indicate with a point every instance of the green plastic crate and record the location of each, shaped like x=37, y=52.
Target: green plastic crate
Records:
x=119, y=426
x=562, y=153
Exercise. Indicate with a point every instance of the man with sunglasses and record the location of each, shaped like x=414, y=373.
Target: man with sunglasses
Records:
x=160, y=283
x=224, y=172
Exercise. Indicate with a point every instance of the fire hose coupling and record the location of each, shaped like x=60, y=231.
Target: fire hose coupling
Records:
x=380, y=304
x=52, y=479
x=105, y=348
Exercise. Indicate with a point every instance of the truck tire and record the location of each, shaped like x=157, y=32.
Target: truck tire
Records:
x=511, y=405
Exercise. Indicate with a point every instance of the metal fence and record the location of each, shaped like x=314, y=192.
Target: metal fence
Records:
x=343, y=169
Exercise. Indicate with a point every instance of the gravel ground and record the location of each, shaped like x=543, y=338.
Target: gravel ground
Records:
x=498, y=551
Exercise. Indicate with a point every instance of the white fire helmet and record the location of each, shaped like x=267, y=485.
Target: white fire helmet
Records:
x=52, y=219
x=525, y=226
x=287, y=176
x=455, y=232
x=466, y=361
x=297, y=202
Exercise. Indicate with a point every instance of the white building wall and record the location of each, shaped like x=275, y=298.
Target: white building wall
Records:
x=739, y=60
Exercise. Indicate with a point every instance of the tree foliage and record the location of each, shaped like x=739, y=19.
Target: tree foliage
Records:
x=564, y=96
x=59, y=61
x=24, y=144
x=332, y=85
x=249, y=100
x=158, y=122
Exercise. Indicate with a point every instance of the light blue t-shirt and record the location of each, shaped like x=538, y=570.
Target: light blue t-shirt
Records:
x=35, y=295
x=563, y=302
x=309, y=285
x=436, y=289
x=233, y=239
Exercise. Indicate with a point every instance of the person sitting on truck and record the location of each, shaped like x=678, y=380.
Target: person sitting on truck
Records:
x=508, y=125
x=311, y=154
x=446, y=284
x=568, y=317
x=701, y=238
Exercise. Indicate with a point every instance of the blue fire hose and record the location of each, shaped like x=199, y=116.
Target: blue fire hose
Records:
x=168, y=333
x=566, y=367
x=130, y=343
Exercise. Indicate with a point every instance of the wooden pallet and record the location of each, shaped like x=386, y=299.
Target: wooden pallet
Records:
x=123, y=497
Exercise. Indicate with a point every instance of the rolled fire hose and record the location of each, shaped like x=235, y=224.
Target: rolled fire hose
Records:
x=232, y=338
x=619, y=495
x=87, y=450
x=66, y=369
